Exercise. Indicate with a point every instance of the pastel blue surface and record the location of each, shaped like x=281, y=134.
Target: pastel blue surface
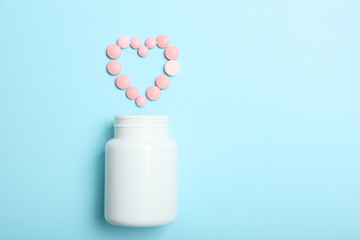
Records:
x=266, y=111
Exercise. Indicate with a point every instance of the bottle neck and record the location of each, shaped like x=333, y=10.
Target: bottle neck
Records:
x=141, y=127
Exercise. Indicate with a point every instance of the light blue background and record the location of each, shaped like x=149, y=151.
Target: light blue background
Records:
x=265, y=111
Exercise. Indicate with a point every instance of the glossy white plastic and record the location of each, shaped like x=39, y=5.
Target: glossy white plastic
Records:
x=141, y=173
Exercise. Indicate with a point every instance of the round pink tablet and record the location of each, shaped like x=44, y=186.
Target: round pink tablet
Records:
x=172, y=53
x=153, y=93
x=132, y=92
x=123, y=42
x=150, y=42
x=122, y=82
x=162, y=41
x=135, y=43
x=114, y=67
x=163, y=81
x=113, y=51
x=143, y=51
x=172, y=68
x=141, y=101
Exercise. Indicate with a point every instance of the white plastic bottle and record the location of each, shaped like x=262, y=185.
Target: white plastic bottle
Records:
x=141, y=173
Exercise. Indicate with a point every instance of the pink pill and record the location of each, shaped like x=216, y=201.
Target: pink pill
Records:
x=143, y=51
x=172, y=53
x=162, y=41
x=123, y=42
x=122, y=82
x=153, y=93
x=132, y=92
x=113, y=51
x=172, y=68
x=135, y=43
x=163, y=81
x=141, y=101
x=114, y=67
x=150, y=42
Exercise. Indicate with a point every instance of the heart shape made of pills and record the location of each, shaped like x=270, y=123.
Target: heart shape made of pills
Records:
x=123, y=82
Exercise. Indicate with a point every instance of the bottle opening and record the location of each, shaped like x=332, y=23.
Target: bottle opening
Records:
x=141, y=121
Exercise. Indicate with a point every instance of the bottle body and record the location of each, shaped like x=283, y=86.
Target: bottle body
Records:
x=141, y=173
